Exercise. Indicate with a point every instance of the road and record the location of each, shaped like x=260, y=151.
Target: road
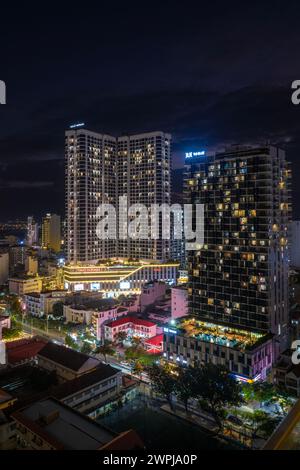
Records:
x=32, y=330
x=125, y=368
x=56, y=336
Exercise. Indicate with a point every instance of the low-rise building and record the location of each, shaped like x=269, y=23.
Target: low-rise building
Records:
x=7, y=432
x=76, y=314
x=39, y=304
x=118, y=277
x=68, y=363
x=132, y=326
x=132, y=303
x=151, y=293
x=179, y=301
x=51, y=425
x=24, y=285
x=247, y=355
x=5, y=321
x=99, y=319
x=6, y=400
x=23, y=351
x=286, y=374
x=91, y=390
x=160, y=311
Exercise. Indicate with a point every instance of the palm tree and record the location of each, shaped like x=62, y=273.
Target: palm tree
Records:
x=138, y=369
x=105, y=349
x=120, y=337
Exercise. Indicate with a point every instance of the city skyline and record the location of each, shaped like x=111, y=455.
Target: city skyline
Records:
x=149, y=230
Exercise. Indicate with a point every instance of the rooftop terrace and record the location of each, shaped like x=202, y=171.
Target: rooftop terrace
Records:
x=218, y=334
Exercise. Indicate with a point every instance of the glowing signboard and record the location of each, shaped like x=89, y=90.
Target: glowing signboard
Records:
x=74, y=126
x=124, y=285
x=195, y=154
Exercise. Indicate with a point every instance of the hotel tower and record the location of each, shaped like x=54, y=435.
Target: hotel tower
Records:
x=101, y=168
x=238, y=280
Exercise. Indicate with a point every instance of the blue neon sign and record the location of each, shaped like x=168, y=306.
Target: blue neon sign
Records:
x=195, y=154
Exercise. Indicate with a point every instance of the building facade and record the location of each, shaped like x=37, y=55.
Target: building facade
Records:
x=32, y=237
x=99, y=319
x=295, y=244
x=4, y=268
x=66, y=362
x=40, y=304
x=239, y=277
x=132, y=326
x=151, y=292
x=24, y=285
x=90, y=160
x=144, y=176
x=179, y=301
x=114, y=279
x=88, y=392
x=100, y=169
x=51, y=425
x=51, y=233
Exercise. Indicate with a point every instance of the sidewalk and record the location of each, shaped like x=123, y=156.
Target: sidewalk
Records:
x=205, y=423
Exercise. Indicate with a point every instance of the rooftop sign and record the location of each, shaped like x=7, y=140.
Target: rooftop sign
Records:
x=195, y=154
x=74, y=126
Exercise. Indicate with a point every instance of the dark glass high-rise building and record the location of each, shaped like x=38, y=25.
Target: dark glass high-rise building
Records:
x=240, y=276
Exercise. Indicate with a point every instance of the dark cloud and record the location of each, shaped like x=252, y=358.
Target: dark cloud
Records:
x=212, y=74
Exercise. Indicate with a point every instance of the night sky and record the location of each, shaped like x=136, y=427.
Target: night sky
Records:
x=211, y=73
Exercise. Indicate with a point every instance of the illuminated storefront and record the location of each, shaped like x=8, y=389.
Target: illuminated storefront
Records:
x=116, y=279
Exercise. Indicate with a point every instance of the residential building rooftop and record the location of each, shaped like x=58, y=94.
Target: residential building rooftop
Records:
x=23, y=349
x=63, y=428
x=219, y=334
x=134, y=320
x=64, y=356
x=101, y=372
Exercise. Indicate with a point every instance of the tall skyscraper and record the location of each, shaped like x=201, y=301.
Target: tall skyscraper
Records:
x=143, y=175
x=240, y=276
x=90, y=181
x=238, y=280
x=32, y=237
x=100, y=169
x=51, y=232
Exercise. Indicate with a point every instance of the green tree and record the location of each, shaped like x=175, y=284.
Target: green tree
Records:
x=185, y=383
x=265, y=392
x=162, y=381
x=261, y=423
x=69, y=341
x=58, y=310
x=105, y=349
x=138, y=369
x=120, y=337
x=86, y=348
x=11, y=333
x=216, y=389
x=14, y=305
